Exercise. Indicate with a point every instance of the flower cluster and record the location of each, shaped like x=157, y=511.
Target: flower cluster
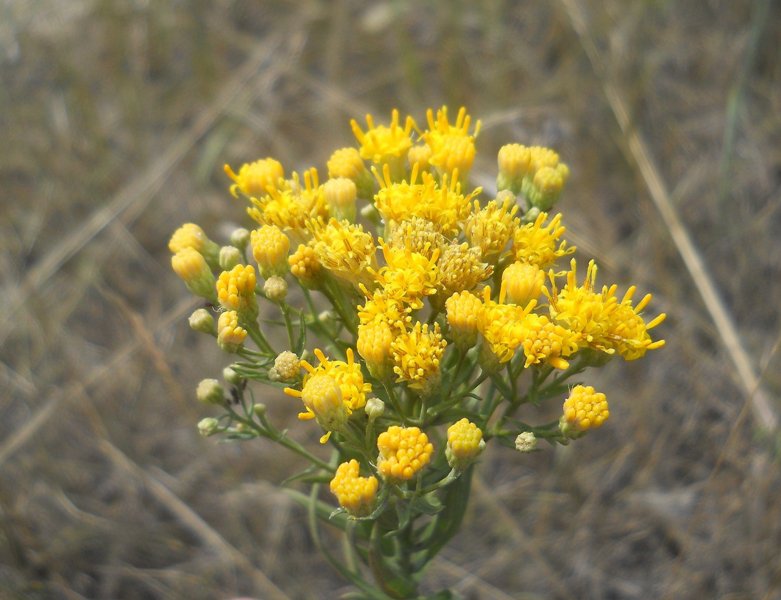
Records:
x=435, y=313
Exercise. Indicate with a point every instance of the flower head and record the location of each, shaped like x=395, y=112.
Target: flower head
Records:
x=287, y=365
x=500, y=325
x=374, y=345
x=345, y=249
x=340, y=195
x=538, y=244
x=270, y=247
x=404, y=451
x=524, y=282
x=291, y=206
x=192, y=236
x=347, y=376
x=354, y=493
x=416, y=356
x=452, y=146
x=230, y=336
x=419, y=235
x=236, y=291
x=463, y=316
x=304, y=265
x=323, y=400
x=461, y=268
x=385, y=144
x=191, y=267
x=464, y=443
x=347, y=162
x=492, y=227
x=256, y=178
x=385, y=308
x=408, y=276
x=545, y=341
x=584, y=409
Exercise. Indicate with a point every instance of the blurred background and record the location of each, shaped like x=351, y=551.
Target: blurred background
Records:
x=116, y=118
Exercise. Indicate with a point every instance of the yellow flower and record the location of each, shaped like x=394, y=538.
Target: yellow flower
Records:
x=270, y=247
x=441, y=203
x=452, y=147
x=408, y=276
x=524, y=282
x=464, y=443
x=347, y=162
x=420, y=156
x=291, y=206
x=419, y=235
x=492, y=227
x=236, y=291
x=374, y=345
x=601, y=321
x=340, y=195
x=347, y=376
x=191, y=268
x=544, y=340
x=304, y=265
x=287, y=365
x=256, y=178
x=463, y=316
x=230, y=336
x=381, y=307
x=354, y=493
x=345, y=249
x=515, y=163
x=500, y=325
x=461, y=268
x=192, y=236
x=538, y=244
x=584, y=409
x=383, y=144
x=323, y=400
x=546, y=186
x=416, y=356
x=404, y=451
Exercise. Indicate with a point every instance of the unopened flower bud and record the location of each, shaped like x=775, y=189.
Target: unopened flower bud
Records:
x=231, y=376
x=275, y=289
x=259, y=409
x=464, y=443
x=374, y=408
x=340, y=194
x=210, y=391
x=192, y=236
x=208, y=426
x=523, y=282
x=191, y=267
x=202, y=320
x=525, y=442
x=230, y=256
x=230, y=335
x=287, y=365
x=240, y=238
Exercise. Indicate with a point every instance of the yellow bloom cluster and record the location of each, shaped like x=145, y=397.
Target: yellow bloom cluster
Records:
x=585, y=409
x=354, y=493
x=404, y=451
x=464, y=443
x=441, y=300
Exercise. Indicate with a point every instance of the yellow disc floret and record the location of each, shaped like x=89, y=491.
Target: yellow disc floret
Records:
x=492, y=227
x=304, y=265
x=236, y=291
x=191, y=267
x=464, y=443
x=340, y=194
x=270, y=247
x=452, y=146
x=374, y=345
x=461, y=268
x=416, y=356
x=354, y=493
x=230, y=336
x=584, y=409
x=463, y=316
x=524, y=282
x=345, y=249
x=323, y=400
x=192, y=236
x=404, y=451
x=545, y=341
x=385, y=144
x=256, y=178
x=538, y=244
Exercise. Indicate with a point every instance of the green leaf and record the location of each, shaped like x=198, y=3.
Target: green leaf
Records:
x=430, y=504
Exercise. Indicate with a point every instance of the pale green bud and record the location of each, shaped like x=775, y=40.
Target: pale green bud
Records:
x=275, y=289
x=230, y=256
x=231, y=376
x=208, y=426
x=526, y=442
x=374, y=408
x=201, y=320
x=210, y=391
x=240, y=238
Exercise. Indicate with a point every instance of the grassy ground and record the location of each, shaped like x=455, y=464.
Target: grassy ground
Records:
x=117, y=116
